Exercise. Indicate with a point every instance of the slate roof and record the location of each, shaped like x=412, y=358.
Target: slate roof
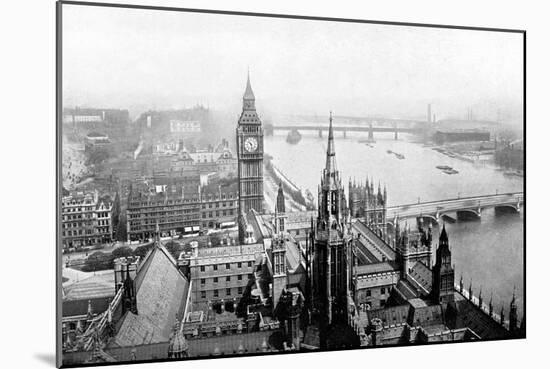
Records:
x=390, y=315
x=92, y=287
x=422, y=274
x=424, y=314
x=161, y=294
x=469, y=315
x=406, y=290
x=374, y=268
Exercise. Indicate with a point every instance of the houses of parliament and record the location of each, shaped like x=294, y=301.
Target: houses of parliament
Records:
x=334, y=278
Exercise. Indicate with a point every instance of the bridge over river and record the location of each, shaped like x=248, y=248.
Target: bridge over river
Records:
x=461, y=207
x=394, y=128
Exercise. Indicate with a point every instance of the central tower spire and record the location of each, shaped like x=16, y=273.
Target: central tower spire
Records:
x=330, y=166
x=331, y=269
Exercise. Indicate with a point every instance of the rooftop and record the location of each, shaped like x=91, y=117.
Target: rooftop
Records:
x=93, y=287
x=161, y=295
x=374, y=268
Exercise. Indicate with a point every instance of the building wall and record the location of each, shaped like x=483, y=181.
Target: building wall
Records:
x=374, y=289
x=172, y=214
x=85, y=220
x=222, y=273
x=219, y=279
x=218, y=208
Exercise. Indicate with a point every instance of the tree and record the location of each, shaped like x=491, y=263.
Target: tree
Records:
x=141, y=251
x=122, y=251
x=174, y=248
x=98, y=261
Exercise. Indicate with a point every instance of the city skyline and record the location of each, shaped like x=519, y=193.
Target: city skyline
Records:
x=183, y=233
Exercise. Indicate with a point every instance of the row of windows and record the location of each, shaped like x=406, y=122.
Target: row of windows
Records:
x=368, y=292
x=212, y=197
x=137, y=204
x=217, y=204
x=227, y=266
x=216, y=293
x=227, y=278
x=223, y=213
x=77, y=232
x=76, y=210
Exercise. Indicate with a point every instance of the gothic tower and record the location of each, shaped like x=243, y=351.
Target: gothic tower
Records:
x=278, y=251
x=280, y=216
x=250, y=153
x=331, y=241
x=443, y=272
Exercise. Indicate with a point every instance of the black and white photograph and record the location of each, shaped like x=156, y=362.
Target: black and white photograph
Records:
x=235, y=184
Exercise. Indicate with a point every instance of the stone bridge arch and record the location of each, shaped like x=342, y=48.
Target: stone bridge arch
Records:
x=466, y=214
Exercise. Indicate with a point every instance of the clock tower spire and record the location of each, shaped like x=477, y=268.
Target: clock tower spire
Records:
x=250, y=154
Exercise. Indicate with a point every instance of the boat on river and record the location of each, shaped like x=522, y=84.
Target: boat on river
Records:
x=293, y=137
x=450, y=171
x=444, y=167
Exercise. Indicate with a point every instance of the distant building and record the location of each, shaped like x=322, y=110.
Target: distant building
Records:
x=461, y=135
x=95, y=140
x=87, y=219
x=185, y=126
x=175, y=158
x=365, y=203
x=82, y=116
x=179, y=206
x=219, y=204
x=177, y=123
x=510, y=154
x=173, y=207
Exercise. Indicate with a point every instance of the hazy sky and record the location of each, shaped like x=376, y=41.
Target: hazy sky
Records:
x=156, y=59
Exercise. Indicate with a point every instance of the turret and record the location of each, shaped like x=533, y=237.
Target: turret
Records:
x=405, y=253
x=129, y=297
x=480, y=299
x=90, y=313
x=280, y=218
x=177, y=346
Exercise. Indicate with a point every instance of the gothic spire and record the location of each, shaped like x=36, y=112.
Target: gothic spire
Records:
x=330, y=166
x=248, y=93
x=280, y=204
x=443, y=236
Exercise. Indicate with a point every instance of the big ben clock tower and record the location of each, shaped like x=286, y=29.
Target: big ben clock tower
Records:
x=250, y=154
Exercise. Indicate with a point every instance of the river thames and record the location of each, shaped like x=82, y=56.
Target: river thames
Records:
x=488, y=252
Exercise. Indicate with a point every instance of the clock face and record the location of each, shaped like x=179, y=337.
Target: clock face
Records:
x=250, y=144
